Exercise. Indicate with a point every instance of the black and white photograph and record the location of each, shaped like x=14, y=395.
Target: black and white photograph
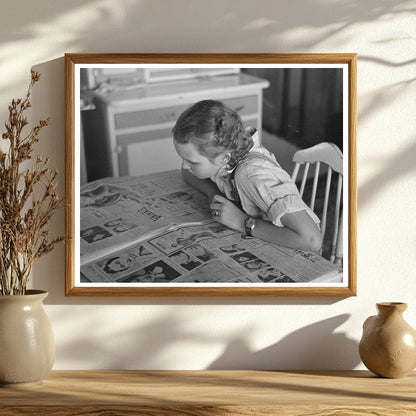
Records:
x=240, y=164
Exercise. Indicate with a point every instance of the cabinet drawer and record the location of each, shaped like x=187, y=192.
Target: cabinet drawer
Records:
x=144, y=136
x=243, y=105
x=142, y=158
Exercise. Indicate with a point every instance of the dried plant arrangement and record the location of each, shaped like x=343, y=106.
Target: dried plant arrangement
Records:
x=28, y=198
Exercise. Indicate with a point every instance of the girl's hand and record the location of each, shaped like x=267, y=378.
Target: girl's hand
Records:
x=225, y=212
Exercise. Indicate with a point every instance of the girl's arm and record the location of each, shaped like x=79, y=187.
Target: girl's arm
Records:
x=206, y=186
x=299, y=230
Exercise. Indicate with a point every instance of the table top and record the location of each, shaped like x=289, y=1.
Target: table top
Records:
x=213, y=392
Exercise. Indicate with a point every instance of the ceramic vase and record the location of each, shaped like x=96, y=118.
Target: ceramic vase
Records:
x=388, y=345
x=27, y=347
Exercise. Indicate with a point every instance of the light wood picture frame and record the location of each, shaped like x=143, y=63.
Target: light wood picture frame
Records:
x=120, y=110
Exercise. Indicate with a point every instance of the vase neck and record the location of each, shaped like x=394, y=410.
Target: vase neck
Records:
x=390, y=308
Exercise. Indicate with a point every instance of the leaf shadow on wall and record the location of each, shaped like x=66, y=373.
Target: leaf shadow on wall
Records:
x=105, y=26
x=316, y=346
x=125, y=347
x=396, y=166
x=392, y=170
x=151, y=345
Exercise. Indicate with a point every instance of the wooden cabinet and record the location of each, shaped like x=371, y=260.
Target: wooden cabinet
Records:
x=130, y=131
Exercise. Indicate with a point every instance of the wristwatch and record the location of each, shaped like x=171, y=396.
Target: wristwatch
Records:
x=249, y=225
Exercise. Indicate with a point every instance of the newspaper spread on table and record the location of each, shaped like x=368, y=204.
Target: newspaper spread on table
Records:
x=157, y=229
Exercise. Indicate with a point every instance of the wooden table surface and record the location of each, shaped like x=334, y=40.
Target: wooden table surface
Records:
x=202, y=393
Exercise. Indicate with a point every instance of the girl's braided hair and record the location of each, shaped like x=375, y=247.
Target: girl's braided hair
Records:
x=213, y=128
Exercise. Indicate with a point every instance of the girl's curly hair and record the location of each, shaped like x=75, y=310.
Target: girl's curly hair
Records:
x=214, y=128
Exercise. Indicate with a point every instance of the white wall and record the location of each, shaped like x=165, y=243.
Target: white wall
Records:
x=200, y=333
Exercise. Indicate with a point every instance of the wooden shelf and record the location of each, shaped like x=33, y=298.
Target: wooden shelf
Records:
x=202, y=393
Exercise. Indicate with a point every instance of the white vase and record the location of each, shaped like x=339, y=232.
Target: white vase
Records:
x=27, y=346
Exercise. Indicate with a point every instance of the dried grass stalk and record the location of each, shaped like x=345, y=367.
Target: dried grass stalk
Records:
x=28, y=199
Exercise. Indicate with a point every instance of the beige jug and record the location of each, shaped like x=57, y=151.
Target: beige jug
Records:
x=388, y=344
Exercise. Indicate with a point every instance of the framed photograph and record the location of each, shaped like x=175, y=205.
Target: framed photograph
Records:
x=151, y=138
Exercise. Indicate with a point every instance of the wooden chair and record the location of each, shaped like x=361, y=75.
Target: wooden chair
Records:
x=330, y=155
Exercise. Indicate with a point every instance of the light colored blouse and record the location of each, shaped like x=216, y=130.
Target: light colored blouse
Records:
x=264, y=189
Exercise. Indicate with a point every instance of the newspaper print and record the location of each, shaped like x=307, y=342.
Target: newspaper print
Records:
x=117, y=212
x=207, y=254
x=157, y=229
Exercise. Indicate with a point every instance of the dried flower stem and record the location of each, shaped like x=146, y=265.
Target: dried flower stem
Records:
x=24, y=216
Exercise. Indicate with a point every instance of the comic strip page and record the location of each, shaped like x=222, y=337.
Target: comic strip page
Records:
x=157, y=229
x=209, y=253
x=117, y=212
